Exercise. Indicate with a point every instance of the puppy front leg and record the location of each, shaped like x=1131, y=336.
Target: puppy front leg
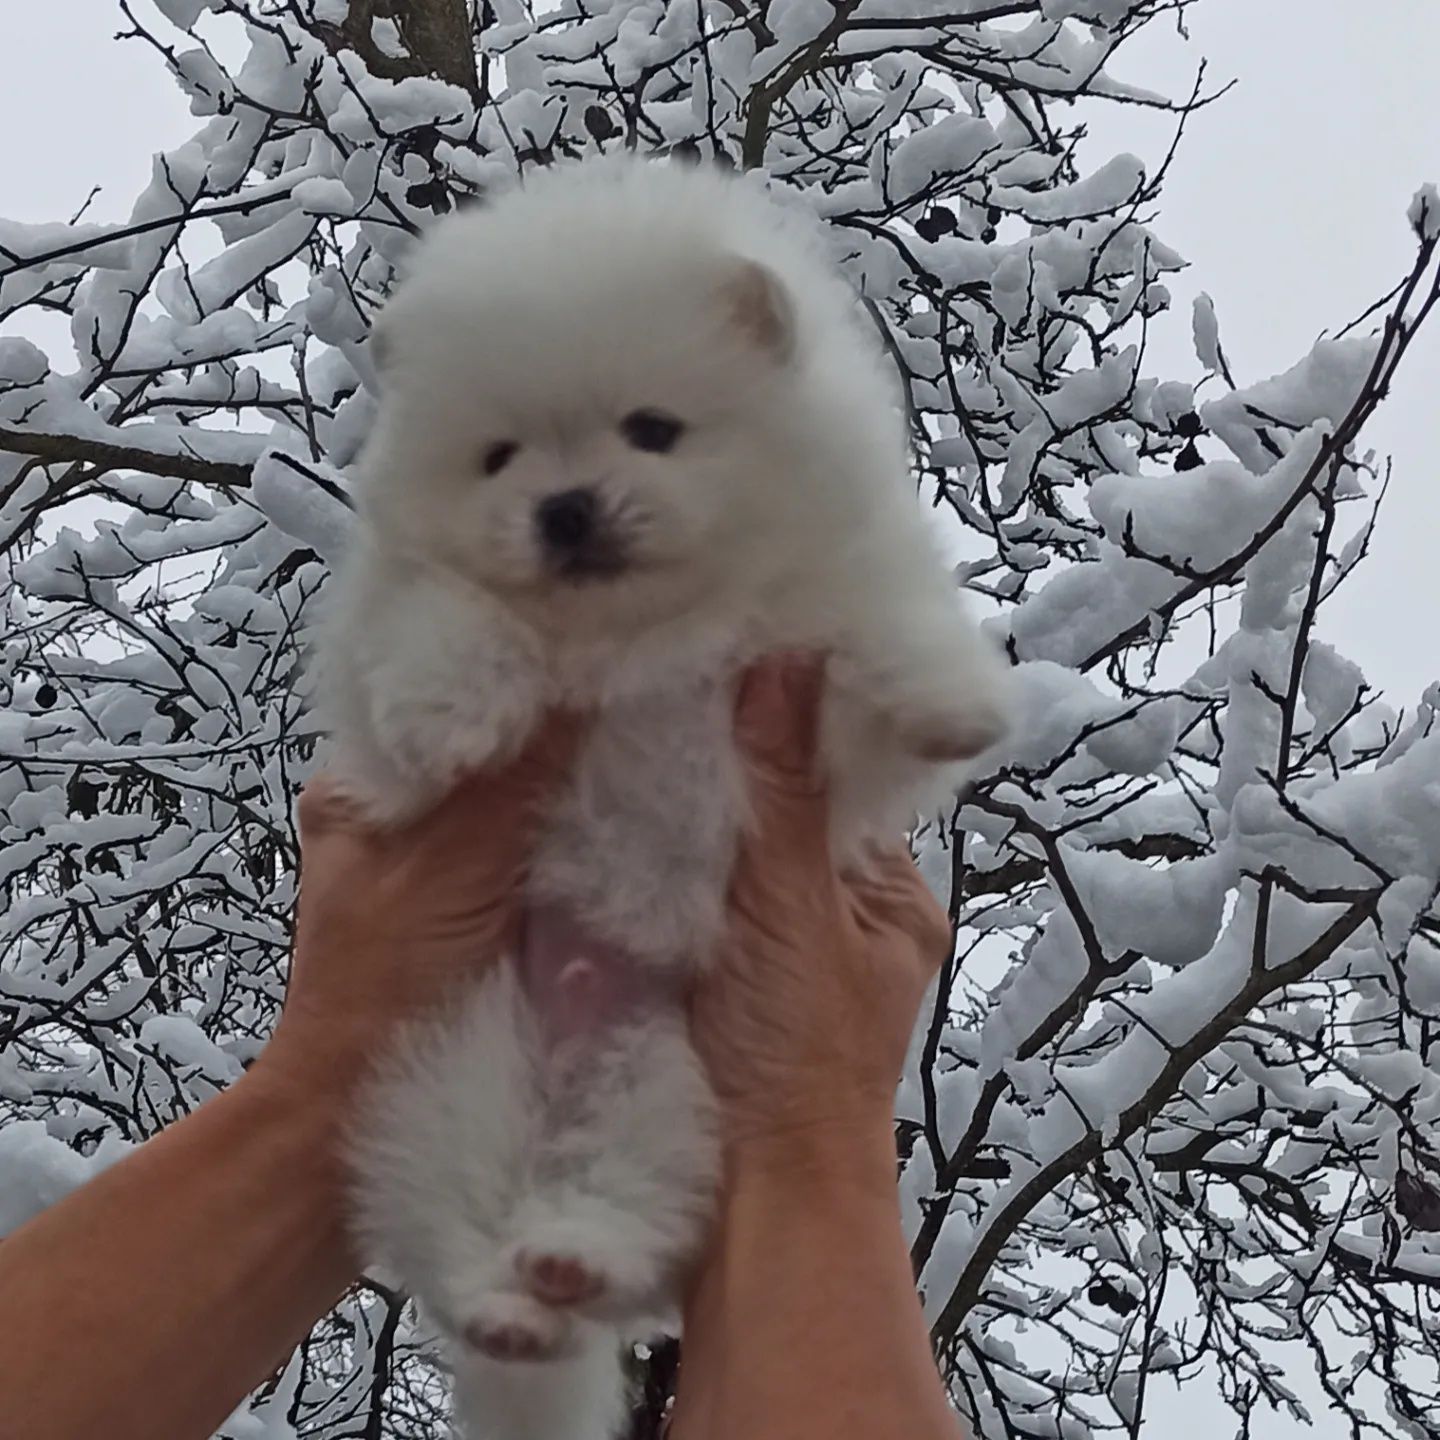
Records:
x=934, y=688
x=421, y=690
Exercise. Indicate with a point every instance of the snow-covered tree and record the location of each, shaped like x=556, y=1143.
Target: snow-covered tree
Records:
x=1174, y=1112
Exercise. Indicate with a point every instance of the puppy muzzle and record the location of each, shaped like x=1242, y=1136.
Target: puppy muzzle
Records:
x=578, y=539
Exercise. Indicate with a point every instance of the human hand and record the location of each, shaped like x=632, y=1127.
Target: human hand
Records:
x=391, y=922
x=805, y=1020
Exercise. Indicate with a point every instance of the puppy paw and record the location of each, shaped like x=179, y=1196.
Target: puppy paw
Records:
x=379, y=801
x=585, y=1268
x=504, y=1326
x=376, y=786
x=560, y=1278
x=946, y=736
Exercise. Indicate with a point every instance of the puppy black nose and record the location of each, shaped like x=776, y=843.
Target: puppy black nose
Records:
x=567, y=521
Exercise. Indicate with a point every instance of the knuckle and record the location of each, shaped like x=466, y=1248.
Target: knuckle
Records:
x=315, y=805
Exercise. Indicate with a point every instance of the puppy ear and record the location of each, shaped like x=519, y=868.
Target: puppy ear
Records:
x=759, y=310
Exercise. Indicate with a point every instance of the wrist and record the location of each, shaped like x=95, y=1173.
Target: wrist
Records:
x=791, y=1199
x=315, y=1068
x=308, y=1121
x=305, y=1097
x=856, y=1151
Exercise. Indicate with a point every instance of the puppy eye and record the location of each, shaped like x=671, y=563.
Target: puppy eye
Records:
x=651, y=430
x=498, y=456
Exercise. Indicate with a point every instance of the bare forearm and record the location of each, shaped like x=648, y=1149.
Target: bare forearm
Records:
x=150, y=1302
x=805, y=1321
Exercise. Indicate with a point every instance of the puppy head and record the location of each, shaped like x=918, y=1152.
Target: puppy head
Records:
x=595, y=443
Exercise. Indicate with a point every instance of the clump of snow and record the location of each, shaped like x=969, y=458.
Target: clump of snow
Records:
x=951, y=146
x=1113, y=186
x=185, y=13
x=322, y=195
x=1321, y=387
x=36, y=1170
x=1206, y=329
x=1424, y=213
x=1170, y=913
x=298, y=503
x=21, y=362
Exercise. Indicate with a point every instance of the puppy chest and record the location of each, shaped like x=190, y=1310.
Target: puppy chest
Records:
x=640, y=844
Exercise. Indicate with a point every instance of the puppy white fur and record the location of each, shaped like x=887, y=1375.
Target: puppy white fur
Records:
x=635, y=431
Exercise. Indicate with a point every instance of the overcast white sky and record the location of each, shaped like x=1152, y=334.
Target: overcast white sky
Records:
x=1289, y=198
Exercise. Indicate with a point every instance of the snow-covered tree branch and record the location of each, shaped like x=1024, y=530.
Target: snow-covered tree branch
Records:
x=1174, y=1110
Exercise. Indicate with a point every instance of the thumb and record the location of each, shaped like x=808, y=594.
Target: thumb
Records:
x=891, y=894
x=777, y=728
x=777, y=719
x=547, y=755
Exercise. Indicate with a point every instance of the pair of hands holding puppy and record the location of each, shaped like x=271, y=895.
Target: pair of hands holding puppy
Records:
x=188, y=1271
x=804, y=1022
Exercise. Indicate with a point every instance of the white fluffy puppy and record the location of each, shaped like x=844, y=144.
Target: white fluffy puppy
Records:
x=635, y=431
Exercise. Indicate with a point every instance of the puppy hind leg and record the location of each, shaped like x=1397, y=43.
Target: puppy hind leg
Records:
x=442, y=1153
x=578, y=1395
x=624, y=1192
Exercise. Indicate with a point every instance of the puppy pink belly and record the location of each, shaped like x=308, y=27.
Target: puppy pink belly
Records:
x=581, y=987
